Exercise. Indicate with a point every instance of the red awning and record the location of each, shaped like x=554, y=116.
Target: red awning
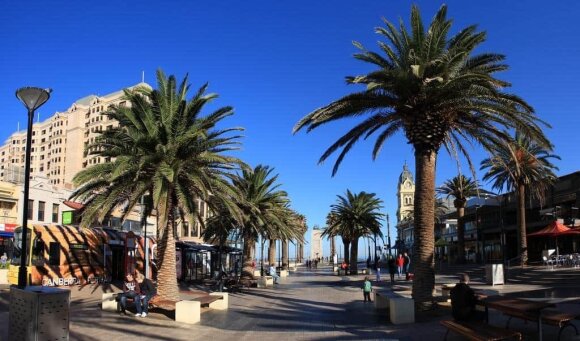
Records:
x=74, y=205
x=554, y=229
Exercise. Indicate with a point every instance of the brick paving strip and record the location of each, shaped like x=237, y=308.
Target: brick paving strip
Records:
x=307, y=305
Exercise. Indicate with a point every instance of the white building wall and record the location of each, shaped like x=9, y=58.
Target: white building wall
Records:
x=42, y=191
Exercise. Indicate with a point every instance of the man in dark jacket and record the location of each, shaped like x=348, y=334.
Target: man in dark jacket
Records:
x=147, y=291
x=463, y=301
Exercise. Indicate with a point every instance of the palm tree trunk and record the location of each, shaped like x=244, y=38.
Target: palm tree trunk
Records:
x=354, y=256
x=247, y=268
x=332, y=248
x=346, y=243
x=424, y=245
x=300, y=252
x=285, y=254
x=521, y=222
x=461, y=234
x=166, y=276
x=272, y=251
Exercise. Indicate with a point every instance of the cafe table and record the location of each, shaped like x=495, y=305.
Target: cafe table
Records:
x=517, y=306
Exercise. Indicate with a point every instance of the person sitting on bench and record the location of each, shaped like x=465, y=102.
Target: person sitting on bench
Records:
x=147, y=291
x=131, y=290
x=273, y=273
x=463, y=300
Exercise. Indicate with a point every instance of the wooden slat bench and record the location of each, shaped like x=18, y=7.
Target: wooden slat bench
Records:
x=480, y=331
x=551, y=317
x=204, y=301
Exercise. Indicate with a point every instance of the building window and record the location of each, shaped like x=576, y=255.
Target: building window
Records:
x=55, y=213
x=41, y=205
x=30, y=209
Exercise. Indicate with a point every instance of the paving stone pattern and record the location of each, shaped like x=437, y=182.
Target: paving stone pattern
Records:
x=308, y=305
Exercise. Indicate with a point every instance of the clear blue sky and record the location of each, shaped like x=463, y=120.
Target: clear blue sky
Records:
x=275, y=62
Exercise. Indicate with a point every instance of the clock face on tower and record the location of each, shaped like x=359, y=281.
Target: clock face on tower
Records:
x=407, y=184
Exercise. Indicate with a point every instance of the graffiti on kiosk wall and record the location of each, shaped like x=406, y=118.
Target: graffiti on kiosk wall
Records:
x=54, y=282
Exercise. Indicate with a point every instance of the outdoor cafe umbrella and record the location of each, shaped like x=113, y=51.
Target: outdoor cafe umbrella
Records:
x=554, y=229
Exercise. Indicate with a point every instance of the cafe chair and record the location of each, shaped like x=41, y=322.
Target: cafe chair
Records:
x=548, y=261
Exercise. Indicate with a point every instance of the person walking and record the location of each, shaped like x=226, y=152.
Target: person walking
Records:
x=378, y=269
x=391, y=264
x=367, y=288
x=406, y=264
x=400, y=263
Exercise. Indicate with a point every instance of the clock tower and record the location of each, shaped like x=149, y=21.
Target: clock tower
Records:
x=405, y=194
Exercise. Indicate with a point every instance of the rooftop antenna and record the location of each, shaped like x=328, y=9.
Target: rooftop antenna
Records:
x=18, y=127
x=142, y=76
x=38, y=117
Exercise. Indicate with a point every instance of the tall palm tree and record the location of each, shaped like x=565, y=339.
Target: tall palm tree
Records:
x=358, y=215
x=265, y=209
x=436, y=90
x=521, y=165
x=163, y=146
x=461, y=188
x=272, y=251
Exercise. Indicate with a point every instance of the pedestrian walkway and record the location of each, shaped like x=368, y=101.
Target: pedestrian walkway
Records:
x=307, y=305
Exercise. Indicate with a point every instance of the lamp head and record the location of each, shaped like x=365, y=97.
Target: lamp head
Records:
x=33, y=97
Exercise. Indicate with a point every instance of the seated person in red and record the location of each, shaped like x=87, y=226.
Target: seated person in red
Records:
x=463, y=300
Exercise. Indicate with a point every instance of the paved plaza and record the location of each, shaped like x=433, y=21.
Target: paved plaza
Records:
x=308, y=305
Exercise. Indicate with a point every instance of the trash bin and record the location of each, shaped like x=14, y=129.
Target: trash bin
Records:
x=494, y=274
x=39, y=313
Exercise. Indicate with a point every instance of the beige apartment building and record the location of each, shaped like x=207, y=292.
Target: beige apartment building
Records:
x=59, y=149
x=59, y=142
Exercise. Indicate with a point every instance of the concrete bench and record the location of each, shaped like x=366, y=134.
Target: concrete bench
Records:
x=265, y=281
x=257, y=273
x=381, y=298
x=109, y=301
x=401, y=309
x=342, y=272
x=188, y=312
x=363, y=271
x=480, y=331
x=283, y=273
x=222, y=303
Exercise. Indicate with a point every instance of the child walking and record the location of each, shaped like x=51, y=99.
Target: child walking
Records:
x=367, y=287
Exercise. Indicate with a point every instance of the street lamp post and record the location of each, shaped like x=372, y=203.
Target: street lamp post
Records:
x=32, y=98
x=144, y=228
x=388, y=235
x=262, y=257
